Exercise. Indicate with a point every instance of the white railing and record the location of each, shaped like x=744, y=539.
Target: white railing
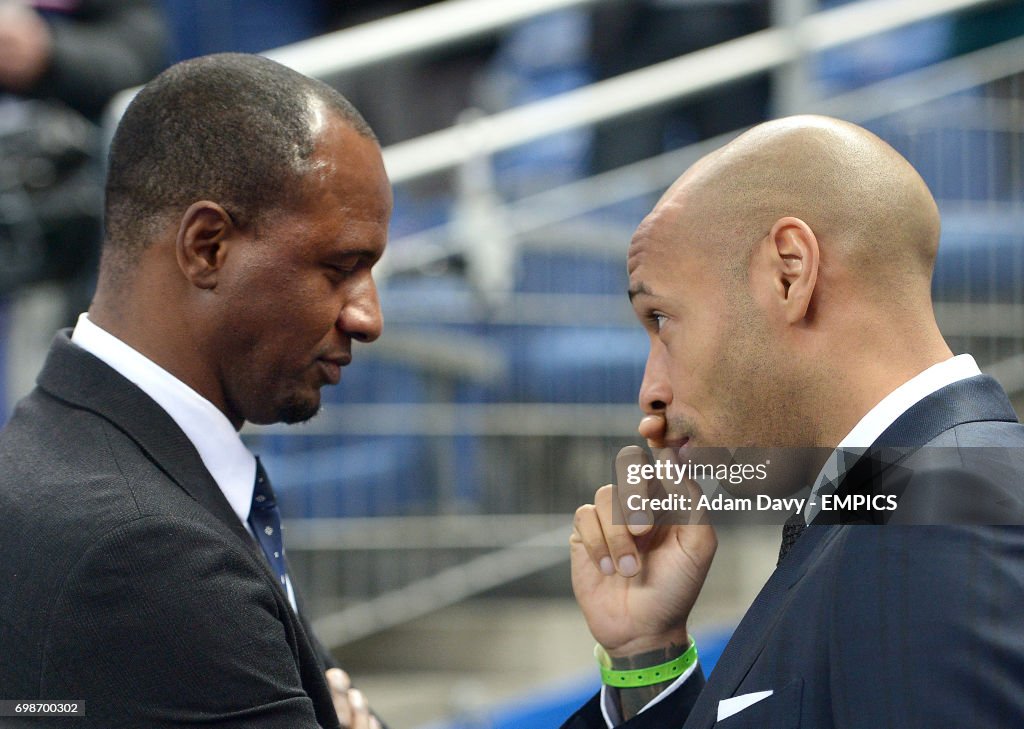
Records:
x=455, y=21
x=671, y=80
x=579, y=197
x=415, y=31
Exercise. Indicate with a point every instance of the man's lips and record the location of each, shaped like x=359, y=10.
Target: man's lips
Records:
x=674, y=441
x=331, y=367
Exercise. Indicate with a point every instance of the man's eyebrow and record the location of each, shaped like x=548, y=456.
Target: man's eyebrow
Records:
x=639, y=289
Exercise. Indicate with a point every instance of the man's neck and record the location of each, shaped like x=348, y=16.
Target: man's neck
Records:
x=168, y=347
x=871, y=375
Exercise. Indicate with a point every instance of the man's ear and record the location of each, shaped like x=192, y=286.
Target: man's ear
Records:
x=201, y=245
x=793, y=259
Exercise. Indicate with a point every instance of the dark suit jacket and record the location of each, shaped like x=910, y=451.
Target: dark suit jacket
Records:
x=127, y=581
x=887, y=626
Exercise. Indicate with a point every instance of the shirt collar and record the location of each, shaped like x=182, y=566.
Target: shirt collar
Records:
x=221, y=449
x=884, y=414
x=904, y=397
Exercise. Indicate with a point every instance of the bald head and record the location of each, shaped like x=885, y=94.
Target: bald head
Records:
x=791, y=264
x=869, y=209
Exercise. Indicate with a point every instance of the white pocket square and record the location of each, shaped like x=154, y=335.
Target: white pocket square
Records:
x=728, y=707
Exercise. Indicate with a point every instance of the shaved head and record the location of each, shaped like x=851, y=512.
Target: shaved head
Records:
x=868, y=207
x=789, y=266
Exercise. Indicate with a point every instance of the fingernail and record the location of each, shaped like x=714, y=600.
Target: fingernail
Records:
x=628, y=566
x=355, y=698
x=606, y=566
x=638, y=522
x=339, y=679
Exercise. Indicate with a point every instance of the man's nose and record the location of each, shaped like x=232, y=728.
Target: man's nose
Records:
x=360, y=316
x=655, y=391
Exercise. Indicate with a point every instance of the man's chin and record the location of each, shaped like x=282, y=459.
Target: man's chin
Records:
x=298, y=414
x=290, y=412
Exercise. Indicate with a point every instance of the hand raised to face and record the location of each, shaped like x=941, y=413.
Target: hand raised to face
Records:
x=636, y=579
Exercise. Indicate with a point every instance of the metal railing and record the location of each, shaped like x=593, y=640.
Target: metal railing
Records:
x=661, y=83
x=572, y=200
x=441, y=25
x=456, y=21
x=412, y=32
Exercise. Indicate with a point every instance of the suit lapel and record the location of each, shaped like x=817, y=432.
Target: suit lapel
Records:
x=751, y=635
x=77, y=377
x=974, y=399
x=967, y=401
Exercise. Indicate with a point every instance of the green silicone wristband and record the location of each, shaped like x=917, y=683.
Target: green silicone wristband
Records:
x=661, y=673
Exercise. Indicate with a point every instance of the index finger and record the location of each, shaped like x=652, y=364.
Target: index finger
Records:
x=655, y=489
x=652, y=429
x=631, y=487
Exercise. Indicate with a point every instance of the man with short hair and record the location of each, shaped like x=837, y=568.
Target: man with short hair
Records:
x=144, y=571
x=784, y=282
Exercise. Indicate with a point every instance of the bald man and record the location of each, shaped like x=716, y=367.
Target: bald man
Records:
x=784, y=282
x=143, y=569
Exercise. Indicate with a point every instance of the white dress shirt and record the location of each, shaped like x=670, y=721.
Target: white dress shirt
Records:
x=884, y=414
x=864, y=433
x=222, y=451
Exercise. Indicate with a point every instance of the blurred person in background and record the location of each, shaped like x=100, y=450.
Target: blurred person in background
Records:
x=79, y=52
x=61, y=62
x=628, y=36
x=406, y=98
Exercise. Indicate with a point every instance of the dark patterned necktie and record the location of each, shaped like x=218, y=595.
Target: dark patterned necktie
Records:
x=265, y=520
x=791, y=531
